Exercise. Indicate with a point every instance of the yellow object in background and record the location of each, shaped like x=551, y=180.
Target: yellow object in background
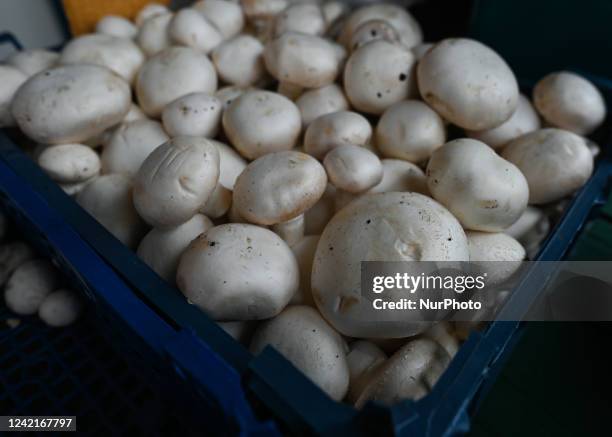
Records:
x=83, y=15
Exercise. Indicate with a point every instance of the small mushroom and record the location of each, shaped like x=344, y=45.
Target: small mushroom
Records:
x=401, y=176
x=468, y=84
x=231, y=165
x=304, y=18
x=260, y=122
x=195, y=114
x=304, y=60
x=115, y=25
x=33, y=61
x=239, y=61
x=153, y=36
x=410, y=130
x=10, y=80
x=218, y=203
x=302, y=336
x=12, y=255
x=524, y=120
x=176, y=180
x=352, y=168
x=28, y=286
x=443, y=334
x=173, y=73
x=60, y=308
x=497, y=255
x=258, y=282
x=161, y=249
x=333, y=11
x=190, y=28
x=484, y=191
x=378, y=75
x=321, y=101
x=108, y=199
x=364, y=358
x=226, y=16
x=373, y=30
x=334, y=129
x=130, y=145
x=570, y=102
x=555, y=163
x=69, y=163
x=149, y=11
x=71, y=103
x=278, y=187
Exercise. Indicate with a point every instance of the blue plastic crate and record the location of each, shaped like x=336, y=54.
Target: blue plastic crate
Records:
x=276, y=388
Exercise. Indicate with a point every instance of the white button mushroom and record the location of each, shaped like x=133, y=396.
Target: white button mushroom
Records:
x=468, y=84
x=60, y=308
x=225, y=15
x=443, y=334
x=10, y=80
x=570, y=102
x=173, y=73
x=231, y=164
x=161, y=249
x=120, y=55
x=28, y=286
x=524, y=120
x=304, y=18
x=176, y=180
x=70, y=104
x=334, y=129
x=238, y=272
x=372, y=30
x=555, y=162
x=401, y=176
x=12, y=255
x=219, y=202
x=278, y=187
x=496, y=254
x=304, y=251
x=399, y=18
x=261, y=122
x=363, y=359
x=410, y=130
x=304, y=60
x=310, y=344
x=190, y=28
x=484, y=191
x=33, y=61
x=352, y=168
x=377, y=75
x=130, y=145
x=116, y=25
x=195, y=114
x=108, y=199
x=321, y=101
x=69, y=163
x=410, y=373
x=153, y=36
x=379, y=227
x=149, y=11
x=239, y=61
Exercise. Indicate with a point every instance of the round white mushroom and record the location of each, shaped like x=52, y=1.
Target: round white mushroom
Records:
x=555, y=162
x=115, y=25
x=190, y=28
x=352, y=168
x=29, y=284
x=372, y=30
x=12, y=255
x=401, y=176
x=495, y=254
x=321, y=101
x=149, y=11
x=484, y=191
x=239, y=61
x=304, y=18
x=195, y=114
x=231, y=164
x=69, y=163
x=153, y=36
x=225, y=15
x=238, y=272
x=60, y=308
x=334, y=129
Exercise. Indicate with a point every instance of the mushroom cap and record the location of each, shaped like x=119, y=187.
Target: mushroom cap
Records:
x=33, y=61
x=484, y=191
x=372, y=30
x=524, y=120
x=231, y=164
x=260, y=122
x=278, y=187
x=353, y=168
x=173, y=73
x=70, y=104
x=226, y=16
x=399, y=18
x=108, y=199
x=496, y=254
x=555, y=163
x=410, y=130
x=190, y=28
x=468, y=84
x=130, y=144
x=321, y=101
x=408, y=374
x=29, y=284
x=377, y=75
x=11, y=78
x=69, y=163
x=304, y=18
x=239, y=61
x=175, y=181
x=569, y=101
x=307, y=61
x=402, y=176
x=153, y=36
x=363, y=359
x=116, y=25
x=121, y=55
x=161, y=249
x=336, y=128
x=195, y=114
x=238, y=272
x=390, y=227
x=149, y=11
x=301, y=335
x=60, y=308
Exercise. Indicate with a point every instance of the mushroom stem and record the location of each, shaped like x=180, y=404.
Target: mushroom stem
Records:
x=291, y=231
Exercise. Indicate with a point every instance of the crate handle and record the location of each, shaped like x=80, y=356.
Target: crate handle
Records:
x=9, y=38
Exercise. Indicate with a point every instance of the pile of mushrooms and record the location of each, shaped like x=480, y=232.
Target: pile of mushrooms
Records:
x=255, y=152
